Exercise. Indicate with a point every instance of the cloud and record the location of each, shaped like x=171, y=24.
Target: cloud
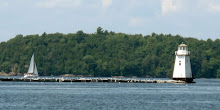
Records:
x=59, y=3
x=214, y=7
x=211, y=6
x=168, y=6
x=3, y=4
x=106, y=3
x=137, y=21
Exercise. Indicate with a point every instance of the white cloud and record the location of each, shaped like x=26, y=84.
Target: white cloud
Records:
x=214, y=7
x=106, y=3
x=211, y=6
x=137, y=21
x=168, y=6
x=59, y=3
x=3, y=4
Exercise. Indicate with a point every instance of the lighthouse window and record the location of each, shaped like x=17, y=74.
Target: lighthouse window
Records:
x=179, y=62
x=183, y=48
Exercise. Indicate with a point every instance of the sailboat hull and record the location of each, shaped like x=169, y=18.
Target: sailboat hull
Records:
x=30, y=75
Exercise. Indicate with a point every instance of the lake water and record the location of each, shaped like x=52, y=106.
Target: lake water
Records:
x=204, y=94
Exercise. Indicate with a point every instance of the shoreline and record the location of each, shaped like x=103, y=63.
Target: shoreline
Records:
x=87, y=76
x=107, y=80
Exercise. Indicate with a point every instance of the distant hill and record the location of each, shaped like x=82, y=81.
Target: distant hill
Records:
x=107, y=54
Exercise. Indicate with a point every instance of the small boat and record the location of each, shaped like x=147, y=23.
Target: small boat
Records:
x=32, y=71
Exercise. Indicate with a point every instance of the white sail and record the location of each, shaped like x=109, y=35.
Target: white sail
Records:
x=35, y=70
x=32, y=71
x=31, y=66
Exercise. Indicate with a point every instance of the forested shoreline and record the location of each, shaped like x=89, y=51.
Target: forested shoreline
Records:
x=106, y=54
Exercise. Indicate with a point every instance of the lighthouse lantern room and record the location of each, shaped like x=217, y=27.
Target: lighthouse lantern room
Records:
x=182, y=67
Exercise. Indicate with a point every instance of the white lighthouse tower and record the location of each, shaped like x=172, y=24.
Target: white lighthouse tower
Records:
x=182, y=68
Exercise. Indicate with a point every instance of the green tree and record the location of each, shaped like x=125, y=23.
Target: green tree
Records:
x=99, y=30
x=90, y=64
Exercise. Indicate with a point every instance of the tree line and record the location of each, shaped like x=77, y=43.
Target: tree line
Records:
x=105, y=54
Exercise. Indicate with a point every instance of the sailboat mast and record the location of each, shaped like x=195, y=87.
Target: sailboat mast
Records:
x=33, y=63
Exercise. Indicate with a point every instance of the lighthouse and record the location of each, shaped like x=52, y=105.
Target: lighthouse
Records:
x=182, y=67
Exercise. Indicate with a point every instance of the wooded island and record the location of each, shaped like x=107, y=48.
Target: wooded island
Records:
x=106, y=54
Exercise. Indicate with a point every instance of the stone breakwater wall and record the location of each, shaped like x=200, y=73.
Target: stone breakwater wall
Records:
x=110, y=80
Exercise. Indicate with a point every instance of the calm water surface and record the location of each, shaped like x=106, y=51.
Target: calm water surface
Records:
x=204, y=94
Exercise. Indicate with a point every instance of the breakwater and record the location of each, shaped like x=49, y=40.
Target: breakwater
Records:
x=111, y=80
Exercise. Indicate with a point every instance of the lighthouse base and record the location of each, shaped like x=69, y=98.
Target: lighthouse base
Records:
x=187, y=80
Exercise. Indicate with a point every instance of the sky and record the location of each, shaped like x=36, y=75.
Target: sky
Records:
x=189, y=18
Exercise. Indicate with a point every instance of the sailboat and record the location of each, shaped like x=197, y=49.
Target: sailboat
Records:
x=32, y=71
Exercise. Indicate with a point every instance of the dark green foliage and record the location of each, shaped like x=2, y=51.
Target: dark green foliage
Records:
x=107, y=54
